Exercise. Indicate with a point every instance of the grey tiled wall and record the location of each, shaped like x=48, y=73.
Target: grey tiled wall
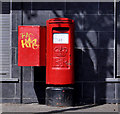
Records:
x=94, y=52
x=118, y=39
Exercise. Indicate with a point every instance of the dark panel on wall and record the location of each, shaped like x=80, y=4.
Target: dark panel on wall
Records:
x=16, y=5
x=106, y=7
x=0, y=7
x=48, y=6
x=27, y=6
x=83, y=7
x=5, y=7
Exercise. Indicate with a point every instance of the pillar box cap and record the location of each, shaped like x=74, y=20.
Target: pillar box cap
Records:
x=60, y=20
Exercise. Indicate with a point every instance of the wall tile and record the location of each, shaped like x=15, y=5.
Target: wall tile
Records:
x=34, y=92
x=19, y=19
x=105, y=91
x=105, y=63
x=118, y=53
x=88, y=91
x=28, y=90
x=117, y=91
x=99, y=22
x=118, y=22
x=35, y=18
x=119, y=7
x=100, y=92
x=118, y=60
x=86, y=39
x=90, y=58
x=1, y=100
x=16, y=19
x=16, y=56
x=86, y=7
x=78, y=93
x=106, y=7
x=87, y=70
x=16, y=71
x=106, y=40
x=18, y=90
x=13, y=55
x=26, y=73
x=8, y=90
x=5, y=100
x=14, y=39
x=78, y=65
x=110, y=91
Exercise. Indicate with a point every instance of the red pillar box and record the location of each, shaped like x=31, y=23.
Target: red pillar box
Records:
x=60, y=51
x=31, y=45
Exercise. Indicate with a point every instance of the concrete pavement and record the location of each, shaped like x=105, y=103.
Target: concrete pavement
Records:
x=7, y=107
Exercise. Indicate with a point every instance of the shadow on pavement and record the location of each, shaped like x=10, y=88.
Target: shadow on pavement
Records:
x=69, y=109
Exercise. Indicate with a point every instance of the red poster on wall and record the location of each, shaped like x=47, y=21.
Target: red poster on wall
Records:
x=31, y=46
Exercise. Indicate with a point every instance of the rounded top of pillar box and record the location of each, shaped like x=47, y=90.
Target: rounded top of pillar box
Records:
x=60, y=20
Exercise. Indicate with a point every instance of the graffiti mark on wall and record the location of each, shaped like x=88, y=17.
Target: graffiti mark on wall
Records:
x=28, y=41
